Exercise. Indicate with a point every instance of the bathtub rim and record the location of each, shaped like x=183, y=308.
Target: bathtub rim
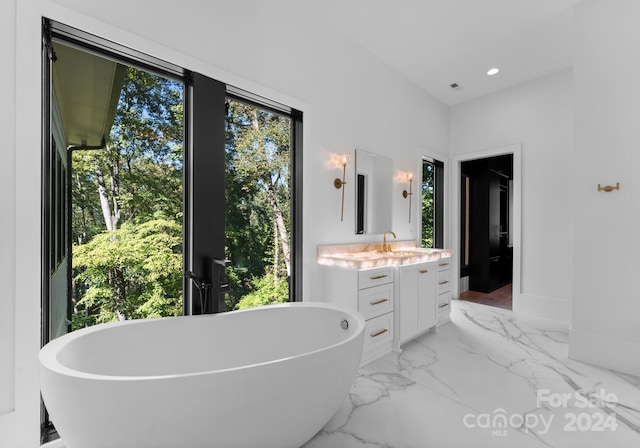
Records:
x=48, y=359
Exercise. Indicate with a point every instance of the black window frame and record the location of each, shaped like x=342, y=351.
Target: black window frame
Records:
x=438, y=206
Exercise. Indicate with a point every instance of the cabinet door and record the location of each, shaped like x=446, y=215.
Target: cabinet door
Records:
x=427, y=296
x=408, y=302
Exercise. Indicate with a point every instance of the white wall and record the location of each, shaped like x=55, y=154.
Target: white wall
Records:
x=349, y=99
x=606, y=296
x=537, y=115
x=352, y=100
x=7, y=222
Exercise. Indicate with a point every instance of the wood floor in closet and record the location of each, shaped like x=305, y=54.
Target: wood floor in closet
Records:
x=501, y=297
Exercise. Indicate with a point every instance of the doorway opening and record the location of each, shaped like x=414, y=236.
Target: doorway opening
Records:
x=486, y=234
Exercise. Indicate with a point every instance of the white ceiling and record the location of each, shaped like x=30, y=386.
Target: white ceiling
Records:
x=435, y=43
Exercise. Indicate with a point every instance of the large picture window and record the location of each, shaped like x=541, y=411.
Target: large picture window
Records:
x=151, y=190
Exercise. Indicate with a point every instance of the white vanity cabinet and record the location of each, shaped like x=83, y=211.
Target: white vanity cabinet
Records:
x=371, y=292
x=402, y=292
x=416, y=300
x=444, y=290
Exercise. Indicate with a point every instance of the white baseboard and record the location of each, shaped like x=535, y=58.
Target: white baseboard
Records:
x=543, y=322
x=464, y=284
x=605, y=350
x=530, y=306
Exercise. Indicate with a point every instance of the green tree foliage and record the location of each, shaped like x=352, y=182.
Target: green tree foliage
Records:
x=266, y=292
x=428, y=212
x=127, y=208
x=131, y=272
x=258, y=197
x=140, y=170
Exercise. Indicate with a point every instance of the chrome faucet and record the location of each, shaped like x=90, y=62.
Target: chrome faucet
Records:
x=387, y=247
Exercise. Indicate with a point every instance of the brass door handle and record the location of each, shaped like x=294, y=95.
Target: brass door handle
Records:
x=609, y=188
x=443, y=305
x=378, y=302
x=378, y=277
x=444, y=282
x=424, y=271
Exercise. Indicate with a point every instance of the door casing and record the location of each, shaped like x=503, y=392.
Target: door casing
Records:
x=455, y=176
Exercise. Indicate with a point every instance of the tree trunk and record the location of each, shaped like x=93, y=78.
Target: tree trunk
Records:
x=276, y=255
x=273, y=200
x=115, y=188
x=104, y=199
x=110, y=207
x=281, y=227
x=116, y=278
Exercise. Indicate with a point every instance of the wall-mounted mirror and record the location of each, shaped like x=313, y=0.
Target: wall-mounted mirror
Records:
x=373, y=192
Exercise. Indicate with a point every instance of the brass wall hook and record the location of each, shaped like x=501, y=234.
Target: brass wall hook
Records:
x=609, y=188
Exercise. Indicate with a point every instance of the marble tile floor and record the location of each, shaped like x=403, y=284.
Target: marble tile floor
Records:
x=485, y=380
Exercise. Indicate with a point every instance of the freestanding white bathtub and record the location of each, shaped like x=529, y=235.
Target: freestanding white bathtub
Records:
x=265, y=377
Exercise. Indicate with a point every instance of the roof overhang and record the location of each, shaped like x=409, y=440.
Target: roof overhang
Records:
x=86, y=88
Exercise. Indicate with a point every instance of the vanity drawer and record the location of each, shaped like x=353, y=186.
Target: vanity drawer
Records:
x=443, y=299
x=444, y=264
x=373, y=277
x=443, y=315
x=443, y=307
x=374, y=301
x=443, y=281
x=378, y=330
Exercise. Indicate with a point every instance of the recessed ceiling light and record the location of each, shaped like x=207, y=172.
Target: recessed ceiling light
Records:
x=493, y=71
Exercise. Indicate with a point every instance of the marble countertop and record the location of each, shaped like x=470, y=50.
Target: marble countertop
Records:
x=368, y=255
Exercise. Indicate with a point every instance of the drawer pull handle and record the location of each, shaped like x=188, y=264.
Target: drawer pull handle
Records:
x=444, y=282
x=424, y=271
x=378, y=302
x=378, y=277
x=378, y=333
x=444, y=305
x=443, y=264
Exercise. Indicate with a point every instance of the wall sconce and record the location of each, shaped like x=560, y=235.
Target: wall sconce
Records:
x=338, y=183
x=408, y=177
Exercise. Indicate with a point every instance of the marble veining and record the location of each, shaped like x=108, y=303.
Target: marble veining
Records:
x=486, y=380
